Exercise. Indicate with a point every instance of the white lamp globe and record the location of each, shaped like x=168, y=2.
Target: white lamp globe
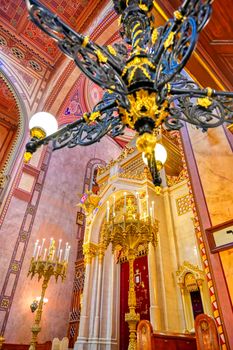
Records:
x=44, y=121
x=160, y=154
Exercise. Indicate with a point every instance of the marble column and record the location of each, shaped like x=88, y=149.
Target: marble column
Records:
x=98, y=297
x=155, y=316
x=81, y=343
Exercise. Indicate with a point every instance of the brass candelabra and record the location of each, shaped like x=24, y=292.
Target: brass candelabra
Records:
x=2, y=340
x=46, y=263
x=130, y=224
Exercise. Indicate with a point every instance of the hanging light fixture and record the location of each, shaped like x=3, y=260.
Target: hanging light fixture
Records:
x=142, y=80
x=155, y=162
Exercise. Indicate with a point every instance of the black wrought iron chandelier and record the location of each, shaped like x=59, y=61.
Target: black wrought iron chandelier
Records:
x=142, y=80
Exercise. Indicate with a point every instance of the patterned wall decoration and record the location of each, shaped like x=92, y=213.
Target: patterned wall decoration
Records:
x=33, y=33
x=11, y=119
x=8, y=104
x=202, y=249
x=73, y=108
x=183, y=204
x=13, y=47
x=15, y=264
x=79, y=266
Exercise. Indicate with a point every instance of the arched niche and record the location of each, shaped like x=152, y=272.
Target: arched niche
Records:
x=191, y=281
x=12, y=129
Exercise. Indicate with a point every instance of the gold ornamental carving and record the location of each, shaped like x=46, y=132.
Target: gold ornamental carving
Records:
x=2, y=340
x=189, y=276
x=230, y=128
x=129, y=232
x=125, y=153
x=89, y=202
x=90, y=250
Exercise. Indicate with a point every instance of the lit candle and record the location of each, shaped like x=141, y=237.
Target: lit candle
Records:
x=38, y=253
x=60, y=254
x=42, y=245
x=35, y=248
x=68, y=253
x=151, y=213
x=59, y=247
x=45, y=254
x=66, y=250
x=147, y=204
x=51, y=242
x=53, y=253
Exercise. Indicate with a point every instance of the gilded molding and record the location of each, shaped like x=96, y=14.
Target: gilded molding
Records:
x=189, y=277
x=3, y=171
x=90, y=250
x=230, y=128
x=124, y=154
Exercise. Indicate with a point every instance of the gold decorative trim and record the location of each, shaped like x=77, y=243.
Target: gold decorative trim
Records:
x=204, y=102
x=90, y=250
x=85, y=41
x=230, y=128
x=183, y=204
x=38, y=133
x=189, y=276
x=6, y=164
x=204, y=65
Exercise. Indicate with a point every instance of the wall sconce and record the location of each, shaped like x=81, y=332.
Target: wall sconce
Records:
x=35, y=303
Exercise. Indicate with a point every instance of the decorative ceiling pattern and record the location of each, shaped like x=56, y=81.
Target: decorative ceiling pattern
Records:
x=11, y=47
x=8, y=105
x=14, y=17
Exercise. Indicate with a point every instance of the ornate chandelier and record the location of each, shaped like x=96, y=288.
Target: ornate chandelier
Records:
x=144, y=89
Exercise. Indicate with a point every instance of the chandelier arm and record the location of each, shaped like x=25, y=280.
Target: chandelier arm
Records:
x=101, y=64
x=177, y=39
x=102, y=121
x=35, y=143
x=175, y=51
x=199, y=92
x=204, y=113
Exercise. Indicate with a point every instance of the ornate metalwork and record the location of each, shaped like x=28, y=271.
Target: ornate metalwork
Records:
x=143, y=84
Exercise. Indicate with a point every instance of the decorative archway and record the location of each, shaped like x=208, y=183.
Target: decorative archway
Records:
x=11, y=129
x=190, y=280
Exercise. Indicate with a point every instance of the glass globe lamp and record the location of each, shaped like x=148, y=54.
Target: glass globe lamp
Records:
x=160, y=154
x=42, y=124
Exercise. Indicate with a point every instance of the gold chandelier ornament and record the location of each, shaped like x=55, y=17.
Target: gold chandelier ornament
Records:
x=144, y=88
x=130, y=227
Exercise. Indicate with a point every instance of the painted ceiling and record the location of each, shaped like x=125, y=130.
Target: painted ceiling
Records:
x=8, y=105
x=14, y=18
